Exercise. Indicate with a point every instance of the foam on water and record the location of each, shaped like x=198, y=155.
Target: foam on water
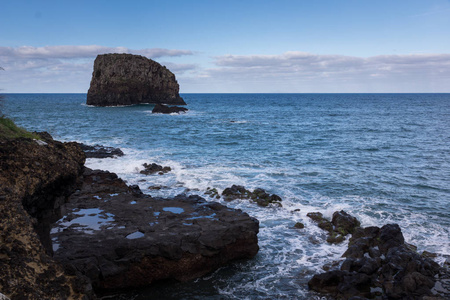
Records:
x=286, y=254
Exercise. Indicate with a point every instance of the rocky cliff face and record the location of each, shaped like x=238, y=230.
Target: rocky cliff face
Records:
x=35, y=180
x=126, y=79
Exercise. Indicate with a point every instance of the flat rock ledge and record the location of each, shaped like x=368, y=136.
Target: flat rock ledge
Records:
x=120, y=238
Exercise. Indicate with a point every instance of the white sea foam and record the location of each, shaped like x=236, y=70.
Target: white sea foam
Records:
x=197, y=178
x=285, y=252
x=308, y=156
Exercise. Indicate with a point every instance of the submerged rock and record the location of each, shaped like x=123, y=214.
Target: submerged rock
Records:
x=99, y=151
x=126, y=79
x=120, y=238
x=164, y=109
x=299, y=225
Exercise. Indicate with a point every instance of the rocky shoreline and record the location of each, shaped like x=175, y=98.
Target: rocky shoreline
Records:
x=378, y=264
x=48, y=251
x=69, y=232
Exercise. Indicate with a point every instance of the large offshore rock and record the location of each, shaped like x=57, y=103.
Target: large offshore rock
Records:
x=121, y=238
x=126, y=79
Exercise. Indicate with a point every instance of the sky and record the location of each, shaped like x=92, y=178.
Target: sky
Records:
x=245, y=46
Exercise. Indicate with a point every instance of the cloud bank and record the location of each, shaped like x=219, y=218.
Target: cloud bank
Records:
x=65, y=68
x=54, y=52
x=69, y=69
x=306, y=72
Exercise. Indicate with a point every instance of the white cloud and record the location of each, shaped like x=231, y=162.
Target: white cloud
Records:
x=306, y=72
x=179, y=68
x=84, y=51
x=65, y=68
x=69, y=69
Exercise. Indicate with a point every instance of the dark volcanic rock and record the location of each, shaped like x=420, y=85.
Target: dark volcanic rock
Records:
x=121, y=238
x=154, y=168
x=212, y=193
x=380, y=264
x=341, y=225
x=98, y=151
x=344, y=223
x=126, y=79
x=236, y=192
x=164, y=109
x=35, y=180
x=259, y=196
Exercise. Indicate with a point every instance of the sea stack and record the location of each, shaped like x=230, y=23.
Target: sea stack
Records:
x=127, y=79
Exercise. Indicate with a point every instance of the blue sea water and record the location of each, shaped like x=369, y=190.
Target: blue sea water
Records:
x=384, y=158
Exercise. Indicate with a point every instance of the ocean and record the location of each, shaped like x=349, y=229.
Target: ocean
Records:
x=384, y=158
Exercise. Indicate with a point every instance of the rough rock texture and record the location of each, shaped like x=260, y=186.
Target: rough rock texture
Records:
x=126, y=79
x=380, y=265
x=164, y=109
x=121, y=238
x=259, y=196
x=341, y=225
x=154, y=168
x=35, y=180
x=99, y=151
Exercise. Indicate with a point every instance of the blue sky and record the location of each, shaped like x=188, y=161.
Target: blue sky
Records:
x=232, y=46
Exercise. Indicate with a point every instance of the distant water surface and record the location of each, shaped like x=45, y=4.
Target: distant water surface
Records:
x=384, y=158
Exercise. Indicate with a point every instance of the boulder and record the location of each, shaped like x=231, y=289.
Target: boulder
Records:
x=121, y=238
x=341, y=225
x=164, y=109
x=299, y=225
x=154, y=168
x=212, y=193
x=380, y=264
x=99, y=151
x=259, y=196
x=344, y=223
x=236, y=192
x=126, y=79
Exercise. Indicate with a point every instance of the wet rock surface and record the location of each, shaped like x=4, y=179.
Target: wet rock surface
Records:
x=259, y=196
x=380, y=265
x=340, y=226
x=99, y=151
x=164, y=109
x=121, y=238
x=153, y=168
x=126, y=79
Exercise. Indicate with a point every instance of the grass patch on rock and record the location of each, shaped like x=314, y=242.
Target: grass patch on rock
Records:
x=9, y=130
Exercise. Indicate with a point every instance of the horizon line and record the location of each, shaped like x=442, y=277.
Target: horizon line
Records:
x=261, y=93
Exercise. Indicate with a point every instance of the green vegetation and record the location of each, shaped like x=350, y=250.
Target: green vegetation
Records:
x=9, y=130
